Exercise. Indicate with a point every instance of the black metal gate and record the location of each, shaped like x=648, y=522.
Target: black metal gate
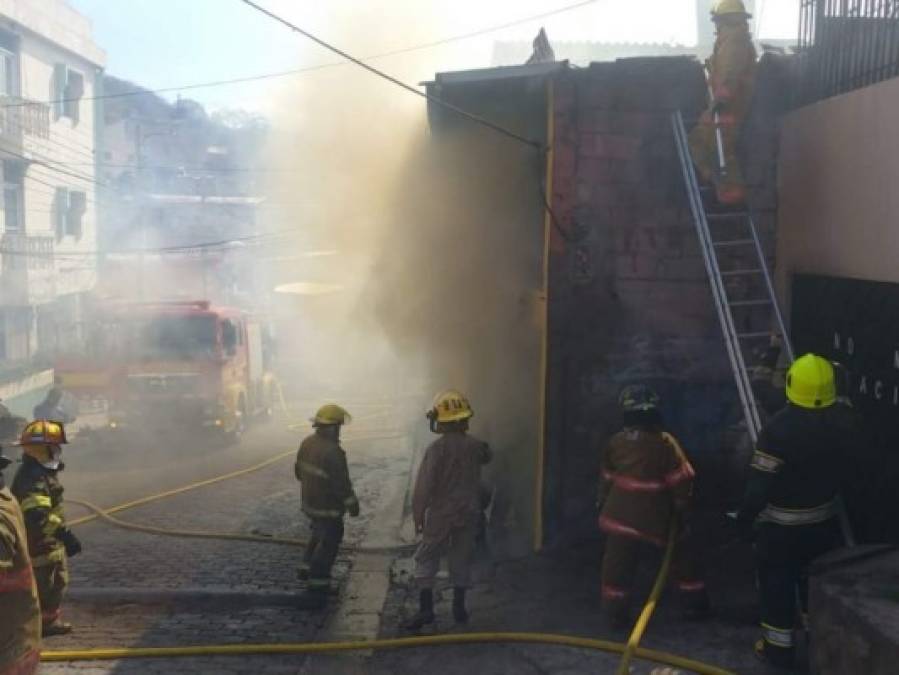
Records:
x=845, y=45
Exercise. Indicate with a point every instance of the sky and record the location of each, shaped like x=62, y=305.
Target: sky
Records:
x=170, y=43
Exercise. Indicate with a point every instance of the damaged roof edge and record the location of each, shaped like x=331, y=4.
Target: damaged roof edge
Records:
x=497, y=73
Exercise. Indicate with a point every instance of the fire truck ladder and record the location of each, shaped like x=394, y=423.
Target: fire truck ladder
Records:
x=723, y=268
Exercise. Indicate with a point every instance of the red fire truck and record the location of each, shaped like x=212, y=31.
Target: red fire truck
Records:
x=182, y=363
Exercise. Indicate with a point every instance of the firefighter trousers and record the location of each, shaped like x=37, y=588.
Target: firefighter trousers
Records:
x=52, y=579
x=621, y=560
x=783, y=555
x=730, y=187
x=321, y=552
x=457, y=544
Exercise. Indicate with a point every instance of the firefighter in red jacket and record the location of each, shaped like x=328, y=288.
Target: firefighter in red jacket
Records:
x=645, y=488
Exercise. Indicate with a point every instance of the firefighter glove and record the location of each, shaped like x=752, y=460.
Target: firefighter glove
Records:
x=70, y=541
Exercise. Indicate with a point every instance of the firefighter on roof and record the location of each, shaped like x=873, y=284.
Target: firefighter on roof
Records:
x=39, y=491
x=447, y=505
x=20, y=629
x=790, y=501
x=732, y=69
x=328, y=494
x=646, y=482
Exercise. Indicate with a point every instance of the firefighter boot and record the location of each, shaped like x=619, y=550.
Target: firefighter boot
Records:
x=425, y=615
x=56, y=628
x=460, y=614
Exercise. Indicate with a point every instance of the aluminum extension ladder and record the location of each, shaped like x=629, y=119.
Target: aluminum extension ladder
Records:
x=735, y=341
x=720, y=269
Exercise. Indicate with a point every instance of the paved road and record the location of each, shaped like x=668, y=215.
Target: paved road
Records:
x=132, y=589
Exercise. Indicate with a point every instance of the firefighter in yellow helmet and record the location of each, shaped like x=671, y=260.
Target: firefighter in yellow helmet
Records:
x=446, y=504
x=646, y=484
x=39, y=491
x=790, y=504
x=328, y=495
x=732, y=70
x=20, y=629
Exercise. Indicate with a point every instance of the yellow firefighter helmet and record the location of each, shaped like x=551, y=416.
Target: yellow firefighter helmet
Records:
x=450, y=406
x=41, y=439
x=43, y=432
x=810, y=382
x=729, y=7
x=331, y=414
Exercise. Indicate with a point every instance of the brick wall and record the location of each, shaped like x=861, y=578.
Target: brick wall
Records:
x=629, y=298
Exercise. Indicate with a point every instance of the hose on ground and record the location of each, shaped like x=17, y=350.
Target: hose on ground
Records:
x=636, y=635
x=229, y=536
x=111, y=654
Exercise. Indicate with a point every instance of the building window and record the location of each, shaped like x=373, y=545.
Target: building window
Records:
x=69, y=211
x=67, y=91
x=8, y=84
x=12, y=207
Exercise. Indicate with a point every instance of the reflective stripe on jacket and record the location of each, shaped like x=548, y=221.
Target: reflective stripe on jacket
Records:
x=40, y=494
x=645, y=476
x=781, y=516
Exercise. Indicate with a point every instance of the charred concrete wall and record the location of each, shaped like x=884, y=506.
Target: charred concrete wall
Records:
x=629, y=298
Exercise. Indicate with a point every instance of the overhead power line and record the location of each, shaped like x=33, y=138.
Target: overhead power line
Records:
x=399, y=83
x=298, y=71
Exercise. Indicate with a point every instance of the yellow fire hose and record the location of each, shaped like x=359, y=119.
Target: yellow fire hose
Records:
x=229, y=536
x=633, y=641
x=115, y=653
x=628, y=651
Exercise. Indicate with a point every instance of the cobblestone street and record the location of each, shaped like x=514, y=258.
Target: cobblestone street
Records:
x=133, y=589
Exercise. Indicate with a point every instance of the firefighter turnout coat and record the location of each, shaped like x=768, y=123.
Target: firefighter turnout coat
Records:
x=791, y=501
x=20, y=616
x=321, y=467
x=732, y=71
x=645, y=477
x=40, y=494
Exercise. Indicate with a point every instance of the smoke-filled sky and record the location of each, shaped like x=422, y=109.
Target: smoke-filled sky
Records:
x=165, y=43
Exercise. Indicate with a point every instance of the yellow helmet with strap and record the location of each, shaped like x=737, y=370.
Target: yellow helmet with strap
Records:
x=810, y=382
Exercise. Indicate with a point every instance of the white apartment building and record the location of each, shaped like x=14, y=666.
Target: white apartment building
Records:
x=51, y=73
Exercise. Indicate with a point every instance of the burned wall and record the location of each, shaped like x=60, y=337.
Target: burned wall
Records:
x=629, y=298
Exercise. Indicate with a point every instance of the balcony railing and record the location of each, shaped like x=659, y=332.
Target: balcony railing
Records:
x=21, y=117
x=22, y=251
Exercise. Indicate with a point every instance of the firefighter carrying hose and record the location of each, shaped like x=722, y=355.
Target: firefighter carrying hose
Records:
x=790, y=502
x=20, y=628
x=732, y=69
x=446, y=505
x=39, y=491
x=328, y=494
x=646, y=481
